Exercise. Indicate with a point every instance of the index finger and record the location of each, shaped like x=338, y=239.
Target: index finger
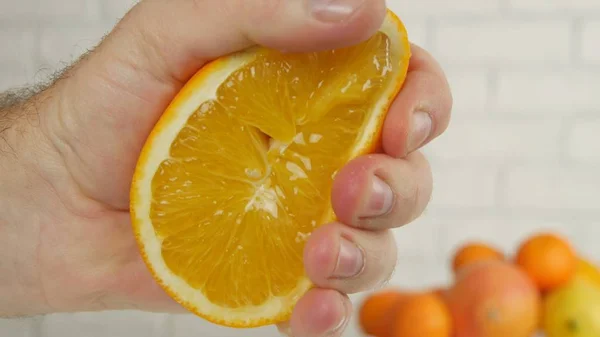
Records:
x=422, y=109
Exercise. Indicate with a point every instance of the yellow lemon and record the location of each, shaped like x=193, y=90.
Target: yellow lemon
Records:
x=587, y=269
x=573, y=310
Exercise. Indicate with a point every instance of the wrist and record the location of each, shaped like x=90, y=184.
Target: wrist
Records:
x=39, y=206
x=58, y=252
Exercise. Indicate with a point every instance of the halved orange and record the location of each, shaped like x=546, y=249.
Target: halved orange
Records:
x=237, y=173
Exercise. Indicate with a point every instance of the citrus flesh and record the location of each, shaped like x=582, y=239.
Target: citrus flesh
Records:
x=238, y=171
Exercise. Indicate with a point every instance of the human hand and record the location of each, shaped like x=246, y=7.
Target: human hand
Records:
x=78, y=250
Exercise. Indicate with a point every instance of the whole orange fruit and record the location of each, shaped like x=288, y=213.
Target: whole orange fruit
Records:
x=548, y=259
x=494, y=299
x=473, y=252
x=420, y=315
x=374, y=312
x=440, y=291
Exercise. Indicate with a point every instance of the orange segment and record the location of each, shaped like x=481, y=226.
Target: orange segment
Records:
x=238, y=171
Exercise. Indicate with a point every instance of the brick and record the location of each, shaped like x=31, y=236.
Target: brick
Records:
x=498, y=140
x=584, y=141
x=12, y=78
x=419, y=238
x=193, y=326
x=590, y=45
x=116, y=9
x=18, y=9
x=470, y=91
x=77, y=9
x=18, y=327
x=103, y=324
x=420, y=272
x=587, y=240
x=464, y=186
x=60, y=46
x=458, y=232
x=546, y=92
x=552, y=188
x=442, y=7
x=49, y=10
x=503, y=42
x=19, y=47
x=555, y=5
x=417, y=31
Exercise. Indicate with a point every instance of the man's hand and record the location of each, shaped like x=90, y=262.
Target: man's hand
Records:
x=69, y=152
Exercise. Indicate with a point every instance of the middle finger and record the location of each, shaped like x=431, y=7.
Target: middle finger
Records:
x=380, y=192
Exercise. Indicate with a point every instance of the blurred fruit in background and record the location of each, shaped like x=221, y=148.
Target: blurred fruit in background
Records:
x=375, y=313
x=548, y=259
x=399, y=313
x=573, y=310
x=441, y=292
x=588, y=270
x=474, y=252
x=421, y=314
x=547, y=287
x=494, y=299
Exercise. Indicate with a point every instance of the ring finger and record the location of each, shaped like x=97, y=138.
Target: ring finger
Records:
x=349, y=259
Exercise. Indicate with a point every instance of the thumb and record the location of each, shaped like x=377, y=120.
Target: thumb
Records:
x=180, y=35
x=135, y=72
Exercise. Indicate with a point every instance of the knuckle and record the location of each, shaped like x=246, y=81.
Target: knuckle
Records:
x=380, y=258
x=386, y=277
x=407, y=206
x=412, y=199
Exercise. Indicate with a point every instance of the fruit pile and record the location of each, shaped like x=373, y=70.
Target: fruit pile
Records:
x=545, y=287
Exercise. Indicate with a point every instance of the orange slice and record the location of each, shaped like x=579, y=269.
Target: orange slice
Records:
x=237, y=173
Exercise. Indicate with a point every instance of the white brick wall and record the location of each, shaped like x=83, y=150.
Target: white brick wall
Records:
x=438, y=8
x=522, y=152
x=556, y=188
x=16, y=10
x=60, y=44
x=545, y=92
x=70, y=9
x=584, y=141
x=499, y=138
x=590, y=38
x=19, y=49
x=543, y=6
x=503, y=41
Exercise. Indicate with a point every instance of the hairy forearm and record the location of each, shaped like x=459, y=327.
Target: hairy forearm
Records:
x=29, y=206
x=45, y=266
x=20, y=290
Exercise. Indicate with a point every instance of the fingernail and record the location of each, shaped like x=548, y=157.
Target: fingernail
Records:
x=380, y=200
x=343, y=321
x=350, y=260
x=421, y=128
x=334, y=10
